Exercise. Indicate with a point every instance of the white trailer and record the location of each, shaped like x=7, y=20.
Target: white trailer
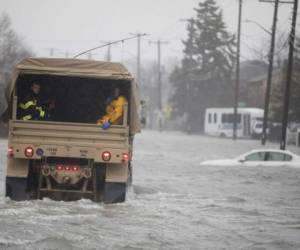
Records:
x=219, y=122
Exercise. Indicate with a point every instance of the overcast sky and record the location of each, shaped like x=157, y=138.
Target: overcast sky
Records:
x=70, y=26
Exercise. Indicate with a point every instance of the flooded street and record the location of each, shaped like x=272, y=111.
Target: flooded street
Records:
x=78, y=79
x=174, y=204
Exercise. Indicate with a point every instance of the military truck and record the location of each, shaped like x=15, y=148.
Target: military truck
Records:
x=67, y=156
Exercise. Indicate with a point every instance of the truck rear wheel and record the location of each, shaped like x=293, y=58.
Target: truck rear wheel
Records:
x=130, y=179
x=98, y=182
x=114, y=192
x=16, y=188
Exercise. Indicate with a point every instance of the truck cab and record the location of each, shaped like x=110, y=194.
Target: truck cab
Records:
x=66, y=155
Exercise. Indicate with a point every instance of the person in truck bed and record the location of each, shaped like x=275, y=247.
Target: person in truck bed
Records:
x=114, y=110
x=30, y=106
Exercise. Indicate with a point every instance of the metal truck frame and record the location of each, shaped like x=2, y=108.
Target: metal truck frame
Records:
x=69, y=161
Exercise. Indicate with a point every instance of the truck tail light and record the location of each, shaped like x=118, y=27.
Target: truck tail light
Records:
x=28, y=152
x=59, y=167
x=67, y=168
x=10, y=152
x=106, y=156
x=125, y=157
x=75, y=168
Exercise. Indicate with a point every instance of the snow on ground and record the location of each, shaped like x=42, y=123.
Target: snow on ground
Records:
x=175, y=203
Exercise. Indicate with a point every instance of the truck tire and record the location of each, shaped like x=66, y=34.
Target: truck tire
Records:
x=114, y=192
x=130, y=174
x=99, y=176
x=16, y=188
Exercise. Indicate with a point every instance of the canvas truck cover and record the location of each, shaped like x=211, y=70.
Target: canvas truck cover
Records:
x=79, y=68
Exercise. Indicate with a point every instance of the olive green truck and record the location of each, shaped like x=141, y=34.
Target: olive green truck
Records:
x=67, y=156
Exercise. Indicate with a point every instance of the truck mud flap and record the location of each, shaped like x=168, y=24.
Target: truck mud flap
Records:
x=16, y=188
x=114, y=192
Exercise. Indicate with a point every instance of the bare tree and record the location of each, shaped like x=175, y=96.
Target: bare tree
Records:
x=12, y=49
x=261, y=51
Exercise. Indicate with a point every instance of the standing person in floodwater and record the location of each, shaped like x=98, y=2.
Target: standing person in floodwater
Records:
x=114, y=110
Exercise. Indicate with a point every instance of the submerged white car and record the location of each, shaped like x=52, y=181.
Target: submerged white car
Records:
x=260, y=157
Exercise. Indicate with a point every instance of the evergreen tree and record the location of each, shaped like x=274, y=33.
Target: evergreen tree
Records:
x=204, y=78
x=181, y=76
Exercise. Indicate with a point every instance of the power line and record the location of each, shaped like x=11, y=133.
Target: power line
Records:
x=107, y=44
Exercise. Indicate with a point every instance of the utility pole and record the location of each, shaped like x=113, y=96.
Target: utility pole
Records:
x=158, y=43
x=237, y=77
x=270, y=73
x=108, y=53
x=138, y=60
x=51, y=51
x=138, y=56
x=289, y=77
x=189, y=84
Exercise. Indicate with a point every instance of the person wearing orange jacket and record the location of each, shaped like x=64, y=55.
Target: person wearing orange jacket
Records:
x=114, y=110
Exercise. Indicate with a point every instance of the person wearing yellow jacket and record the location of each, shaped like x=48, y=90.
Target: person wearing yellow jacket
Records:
x=114, y=110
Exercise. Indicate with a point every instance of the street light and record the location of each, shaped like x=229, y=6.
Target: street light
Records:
x=259, y=25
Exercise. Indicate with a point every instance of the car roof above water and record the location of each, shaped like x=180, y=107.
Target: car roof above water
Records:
x=272, y=150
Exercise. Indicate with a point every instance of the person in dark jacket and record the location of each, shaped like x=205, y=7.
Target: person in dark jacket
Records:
x=30, y=107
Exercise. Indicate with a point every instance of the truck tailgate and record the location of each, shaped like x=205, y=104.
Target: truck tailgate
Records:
x=68, y=139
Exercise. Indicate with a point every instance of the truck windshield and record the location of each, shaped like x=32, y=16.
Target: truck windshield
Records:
x=69, y=99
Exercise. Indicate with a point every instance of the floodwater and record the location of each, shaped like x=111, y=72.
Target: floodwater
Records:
x=174, y=204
